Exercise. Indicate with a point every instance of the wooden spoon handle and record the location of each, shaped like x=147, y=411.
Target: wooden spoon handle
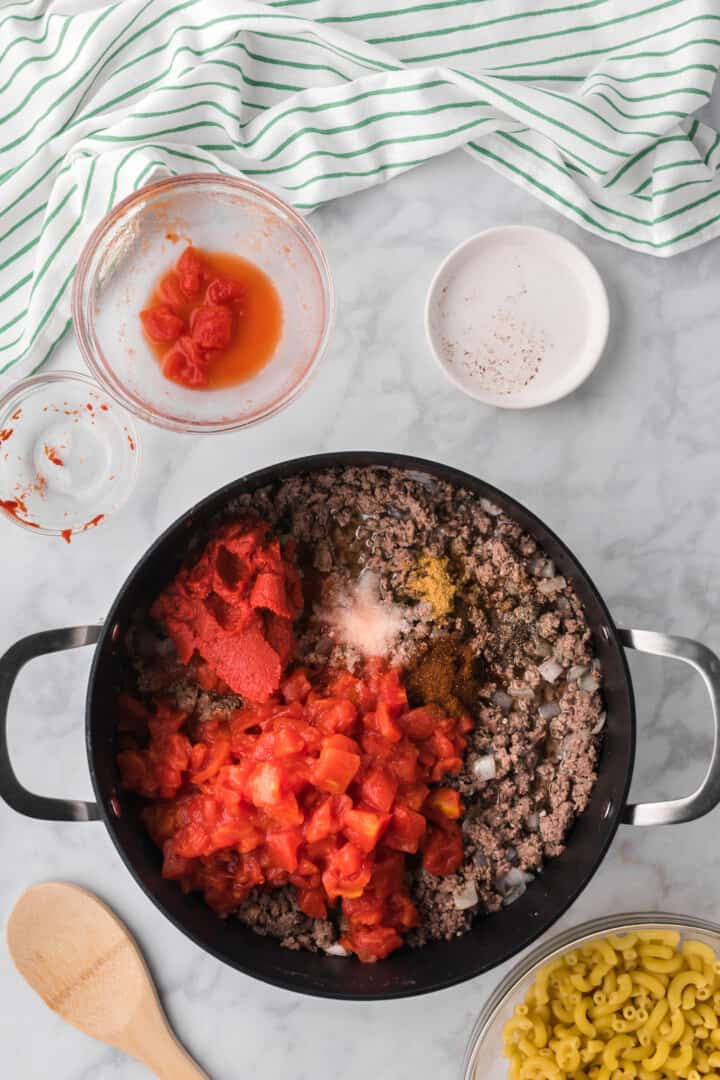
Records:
x=171, y=1061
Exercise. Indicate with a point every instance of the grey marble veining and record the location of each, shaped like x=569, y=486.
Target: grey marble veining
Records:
x=625, y=470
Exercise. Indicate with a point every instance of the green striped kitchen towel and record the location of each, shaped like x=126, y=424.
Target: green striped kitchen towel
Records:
x=589, y=105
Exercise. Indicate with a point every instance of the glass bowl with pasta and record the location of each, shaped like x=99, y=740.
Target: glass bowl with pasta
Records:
x=626, y=997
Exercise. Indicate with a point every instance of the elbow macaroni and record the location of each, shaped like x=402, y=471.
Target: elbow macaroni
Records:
x=640, y=1006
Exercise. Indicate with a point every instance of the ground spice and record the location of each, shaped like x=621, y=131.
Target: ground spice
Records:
x=432, y=583
x=447, y=673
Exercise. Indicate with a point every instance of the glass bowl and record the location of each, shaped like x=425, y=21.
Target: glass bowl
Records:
x=68, y=455
x=484, y=1059
x=141, y=239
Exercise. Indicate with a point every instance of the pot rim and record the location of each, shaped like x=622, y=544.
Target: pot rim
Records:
x=459, y=478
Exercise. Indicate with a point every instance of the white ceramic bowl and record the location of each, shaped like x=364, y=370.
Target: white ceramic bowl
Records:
x=517, y=317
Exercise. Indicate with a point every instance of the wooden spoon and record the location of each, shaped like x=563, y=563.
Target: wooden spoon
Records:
x=82, y=961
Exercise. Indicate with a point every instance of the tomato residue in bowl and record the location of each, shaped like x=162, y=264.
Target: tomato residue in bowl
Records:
x=213, y=320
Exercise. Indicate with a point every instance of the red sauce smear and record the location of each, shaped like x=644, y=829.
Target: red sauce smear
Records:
x=5, y=434
x=16, y=507
x=52, y=455
x=326, y=784
x=212, y=321
x=92, y=522
x=16, y=415
x=66, y=535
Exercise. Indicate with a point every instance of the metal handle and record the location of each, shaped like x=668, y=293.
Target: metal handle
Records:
x=11, y=790
x=707, y=664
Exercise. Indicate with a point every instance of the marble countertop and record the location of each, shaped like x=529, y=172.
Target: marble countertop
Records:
x=625, y=471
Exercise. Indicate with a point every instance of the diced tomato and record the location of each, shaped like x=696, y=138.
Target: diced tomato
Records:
x=327, y=818
x=365, y=827
x=443, y=850
x=312, y=903
x=403, y=913
x=404, y=762
x=392, y=692
x=184, y=363
x=161, y=324
x=413, y=795
x=211, y=327
x=405, y=831
x=333, y=715
x=169, y=291
x=335, y=769
x=217, y=755
x=296, y=686
x=225, y=291
x=190, y=271
x=421, y=723
x=341, y=742
x=363, y=910
x=379, y=788
x=373, y=943
x=286, y=811
x=283, y=848
x=388, y=874
x=443, y=805
x=265, y=784
x=386, y=725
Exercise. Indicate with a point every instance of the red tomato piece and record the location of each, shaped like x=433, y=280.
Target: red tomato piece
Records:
x=184, y=363
x=388, y=874
x=379, y=788
x=169, y=291
x=372, y=943
x=190, y=271
x=211, y=327
x=287, y=811
x=443, y=805
x=296, y=686
x=443, y=850
x=386, y=725
x=405, y=831
x=312, y=903
x=327, y=818
x=420, y=723
x=364, y=827
x=404, y=762
x=265, y=784
x=333, y=715
x=363, y=910
x=217, y=755
x=225, y=291
x=283, y=848
x=161, y=324
x=335, y=769
x=392, y=692
x=403, y=913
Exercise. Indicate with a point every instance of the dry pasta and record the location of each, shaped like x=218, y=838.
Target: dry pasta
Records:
x=636, y=1006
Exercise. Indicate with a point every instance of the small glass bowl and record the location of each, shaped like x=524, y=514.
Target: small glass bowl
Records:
x=484, y=1059
x=68, y=454
x=141, y=239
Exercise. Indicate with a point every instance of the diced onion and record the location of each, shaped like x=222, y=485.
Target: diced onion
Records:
x=502, y=700
x=600, y=724
x=513, y=884
x=522, y=692
x=467, y=897
x=588, y=684
x=577, y=671
x=490, y=508
x=550, y=670
x=336, y=950
x=533, y=822
x=484, y=767
x=549, y=569
x=549, y=711
x=551, y=585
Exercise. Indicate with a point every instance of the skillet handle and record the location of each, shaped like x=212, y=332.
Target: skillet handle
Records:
x=707, y=664
x=11, y=790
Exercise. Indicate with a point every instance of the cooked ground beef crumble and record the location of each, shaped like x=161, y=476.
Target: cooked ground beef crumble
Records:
x=530, y=765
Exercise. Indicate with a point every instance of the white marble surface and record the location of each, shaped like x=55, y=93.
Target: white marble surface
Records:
x=625, y=470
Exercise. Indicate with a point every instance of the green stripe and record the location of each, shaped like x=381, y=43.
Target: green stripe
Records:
x=639, y=116
x=549, y=119
x=20, y=315
x=36, y=239
x=395, y=140
x=483, y=152
x=43, y=321
x=709, y=154
x=366, y=172
x=599, y=52
x=666, y=52
x=463, y=27
x=550, y=34
x=664, y=168
x=36, y=60
x=342, y=103
x=569, y=100
x=643, y=153
x=53, y=347
x=33, y=40
x=341, y=128
x=39, y=274
x=346, y=54
x=438, y=6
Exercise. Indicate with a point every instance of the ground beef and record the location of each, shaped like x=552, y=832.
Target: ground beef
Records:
x=539, y=707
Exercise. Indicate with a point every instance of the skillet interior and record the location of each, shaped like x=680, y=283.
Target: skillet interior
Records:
x=494, y=938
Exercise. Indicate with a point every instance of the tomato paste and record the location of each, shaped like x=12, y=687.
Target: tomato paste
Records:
x=213, y=320
x=234, y=609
